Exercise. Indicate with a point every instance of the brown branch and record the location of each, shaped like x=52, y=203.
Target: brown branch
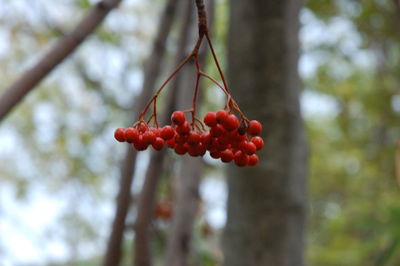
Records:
x=186, y=203
x=151, y=72
x=148, y=194
x=62, y=49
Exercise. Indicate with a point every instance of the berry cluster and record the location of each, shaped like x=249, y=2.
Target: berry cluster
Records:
x=163, y=210
x=226, y=139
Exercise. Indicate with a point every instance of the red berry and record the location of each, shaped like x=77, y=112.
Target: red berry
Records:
x=221, y=116
x=218, y=145
x=140, y=145
x=253, y=159
x=217, y=131
x=193, y=138
x=215, y=154
x=179, y=139
x=226, y=156
x=167, y=132
x=201, y=149
x=231, y=122
x=254, y=128
x=171, y=143
x=210, y=119
x=119, y=134
x=192, y=151
x=180, y=149
x=258, y=141
x=178, y=118
x=158, y=143
x=241, y=159
x=223, y=140
x=183, y=129
x=156, y=131
x=143, y=127
x=131, y=135
x=250, y=148
x=149, y=137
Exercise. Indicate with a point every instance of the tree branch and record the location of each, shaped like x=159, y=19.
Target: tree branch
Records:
x=62, y=49
x=151, y=72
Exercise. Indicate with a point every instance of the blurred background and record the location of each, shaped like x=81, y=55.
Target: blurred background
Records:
x=59, y=162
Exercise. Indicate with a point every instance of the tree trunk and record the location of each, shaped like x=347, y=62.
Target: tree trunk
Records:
x=151, y=73
x=266, y=204
x=187, y=198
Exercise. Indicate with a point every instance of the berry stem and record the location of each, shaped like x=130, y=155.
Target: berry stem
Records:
x=179, y=67
x=217, y=63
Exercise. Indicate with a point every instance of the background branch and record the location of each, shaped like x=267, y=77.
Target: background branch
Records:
x=151, y=72
x=187, y=199
x=148, y=194
x=62, y=49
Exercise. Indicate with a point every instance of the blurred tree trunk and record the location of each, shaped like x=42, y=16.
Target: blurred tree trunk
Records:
x=266, y=204
x=151, y=73
x=188, y=180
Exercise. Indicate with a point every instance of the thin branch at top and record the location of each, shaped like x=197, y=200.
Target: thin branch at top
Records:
x=62, y=49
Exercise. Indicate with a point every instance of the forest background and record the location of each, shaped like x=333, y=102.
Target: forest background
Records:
x=59, y=165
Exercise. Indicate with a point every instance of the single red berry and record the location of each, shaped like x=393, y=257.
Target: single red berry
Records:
x=140, y=145
x=253, y=159
x=254, y=128
x=119, y=134
x=206, y=138
x=223, y=140
x=217, y=131
x=158, y=144
x=215, y=154
x=178, y=118
x=156, y=131
x=227, y=156
x=183, y=129
x=250, y=148
x=221, y=116
x=192, y=151
x=167, y=132
x=143, y=127
x=241, y=159
x=210, y=119
x=231, y=122
x=149, y=137
x=171, y=143
x=179, y=139
x=131, y=135
x=180, y=149
x=193, y=138
x=201, y=149
x=218, y=145
x=258, y=141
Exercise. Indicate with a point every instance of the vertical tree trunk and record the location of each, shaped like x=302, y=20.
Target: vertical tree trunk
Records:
x=151, y=73
x=189, y=177
x=266, y=204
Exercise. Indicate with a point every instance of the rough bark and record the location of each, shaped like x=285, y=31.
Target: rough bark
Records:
x=62, y=49
x=151, y=72
x=266, y=204
x=187, y=198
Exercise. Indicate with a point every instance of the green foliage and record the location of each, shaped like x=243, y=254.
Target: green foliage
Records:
x=354, y=212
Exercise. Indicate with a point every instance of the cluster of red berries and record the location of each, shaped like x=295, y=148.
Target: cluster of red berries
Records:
x=163, y=210
x=227, y=139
